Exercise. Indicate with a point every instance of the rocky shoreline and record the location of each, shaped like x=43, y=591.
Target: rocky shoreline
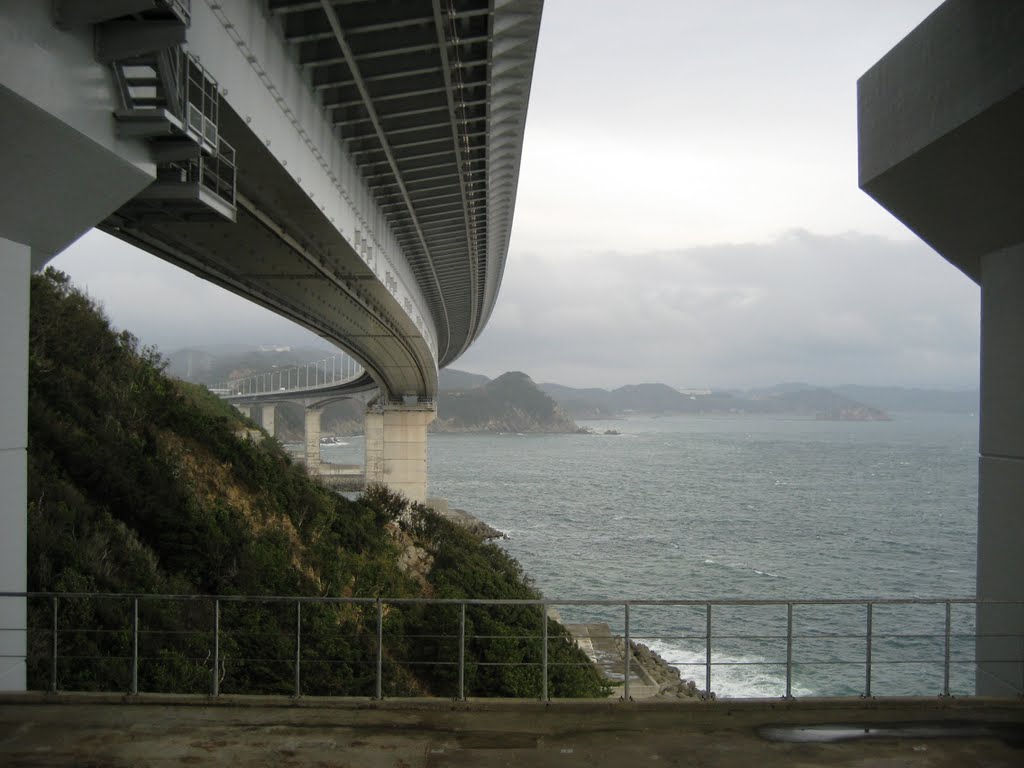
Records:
x=461, y=517
x=659, y=673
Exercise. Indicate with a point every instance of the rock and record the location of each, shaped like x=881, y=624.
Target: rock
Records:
x=668, y=679
x=473, y=524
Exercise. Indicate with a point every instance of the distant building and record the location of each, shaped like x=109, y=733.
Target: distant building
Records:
x=694, y=392
x=273, y=348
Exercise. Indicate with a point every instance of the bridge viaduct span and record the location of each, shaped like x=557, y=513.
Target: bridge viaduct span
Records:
x=350, y=165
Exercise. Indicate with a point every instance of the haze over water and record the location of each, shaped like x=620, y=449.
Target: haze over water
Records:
x=687, y=507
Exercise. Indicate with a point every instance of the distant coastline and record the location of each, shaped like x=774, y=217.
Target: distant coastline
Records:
x=470, y=403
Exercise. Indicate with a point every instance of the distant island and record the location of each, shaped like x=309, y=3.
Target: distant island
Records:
x=513, y=402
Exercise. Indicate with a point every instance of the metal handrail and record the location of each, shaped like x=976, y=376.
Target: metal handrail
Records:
x=378, y=603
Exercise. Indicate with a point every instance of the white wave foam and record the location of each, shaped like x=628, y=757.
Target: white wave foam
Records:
x=745, y=677
x=740, y=567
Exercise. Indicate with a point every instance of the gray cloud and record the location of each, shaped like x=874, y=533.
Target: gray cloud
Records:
x=828, y=309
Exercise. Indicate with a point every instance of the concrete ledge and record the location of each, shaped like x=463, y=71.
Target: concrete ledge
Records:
x=910, y=707
x=38, y=729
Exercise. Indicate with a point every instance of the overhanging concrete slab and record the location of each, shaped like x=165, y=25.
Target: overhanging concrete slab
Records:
x=940, y=121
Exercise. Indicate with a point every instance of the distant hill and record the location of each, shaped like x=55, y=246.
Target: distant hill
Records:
x=656, y=398
x=823, y=403
x=911, y=400
x=450, y=378
x=510, y=403
x=802, y=399
x=589, y=403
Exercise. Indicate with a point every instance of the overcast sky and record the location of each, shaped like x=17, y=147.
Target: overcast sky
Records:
x=688, y=212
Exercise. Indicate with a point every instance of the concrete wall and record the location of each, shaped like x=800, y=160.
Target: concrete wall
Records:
x=15, y=269
x=1001, y=474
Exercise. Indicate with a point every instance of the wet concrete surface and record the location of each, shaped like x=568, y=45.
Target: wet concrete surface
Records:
x=160, y=731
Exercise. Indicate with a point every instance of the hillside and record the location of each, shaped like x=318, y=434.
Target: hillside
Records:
x=509, y=403
x=141, y=483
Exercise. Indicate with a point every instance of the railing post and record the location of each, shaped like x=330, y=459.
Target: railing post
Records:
x=462, y=651
x=135, y=646
x=867, y=652
x=380, y=651
x=544, y=652
x=707, y=658
x=627, y=652
x=789, y=650
x=215, y=683
x=53, y=669
x=298, y=648
x=945, y=667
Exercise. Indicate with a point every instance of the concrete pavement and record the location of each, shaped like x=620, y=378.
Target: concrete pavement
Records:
x=161, y=731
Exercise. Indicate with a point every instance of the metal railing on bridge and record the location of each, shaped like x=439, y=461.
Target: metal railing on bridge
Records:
x=332, y=371
x=296, y=645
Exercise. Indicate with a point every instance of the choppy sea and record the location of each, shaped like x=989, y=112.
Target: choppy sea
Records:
x=698, y=508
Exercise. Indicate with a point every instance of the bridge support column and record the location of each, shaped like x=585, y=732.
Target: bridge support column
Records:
x=313, y=439
x=15, y=274
x=267, y=418
x=1001, y=475
x=396, y=447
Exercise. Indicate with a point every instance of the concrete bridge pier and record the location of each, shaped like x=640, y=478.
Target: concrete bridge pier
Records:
x=313, y=439
x=267, y=417
x=396, y=447
x=15, y=274
x=1001, y=474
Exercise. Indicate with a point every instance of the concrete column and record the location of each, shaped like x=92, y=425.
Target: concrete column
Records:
x=313, y=439
x=1001, y=474
x=396, y=447
x=267, y=418
x=15, y=274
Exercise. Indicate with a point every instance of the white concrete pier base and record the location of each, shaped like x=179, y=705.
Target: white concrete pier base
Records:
x=267, y=418
x=313, y=440
x=396, y=447
x=1001, y=475
x=15, y=274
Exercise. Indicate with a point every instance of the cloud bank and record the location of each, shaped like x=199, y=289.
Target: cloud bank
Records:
x=826, y=309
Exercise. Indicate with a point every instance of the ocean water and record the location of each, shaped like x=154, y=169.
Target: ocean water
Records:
x=748, y=507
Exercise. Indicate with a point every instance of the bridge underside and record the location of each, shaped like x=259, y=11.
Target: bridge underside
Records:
x=429, y=98
x=283, y=252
